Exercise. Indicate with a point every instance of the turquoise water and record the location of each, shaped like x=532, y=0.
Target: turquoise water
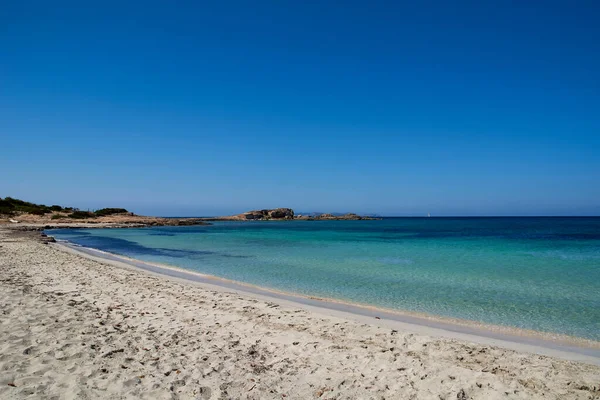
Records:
x=532, y=273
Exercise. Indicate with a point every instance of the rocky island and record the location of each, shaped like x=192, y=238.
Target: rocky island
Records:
x=283, y=214
x=331, y=217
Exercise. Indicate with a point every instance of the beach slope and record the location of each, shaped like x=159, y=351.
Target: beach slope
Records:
x=72, y=327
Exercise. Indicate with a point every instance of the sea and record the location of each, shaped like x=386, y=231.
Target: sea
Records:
x=539, y=274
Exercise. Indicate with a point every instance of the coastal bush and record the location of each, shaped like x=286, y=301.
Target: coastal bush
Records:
x=39, y=211
x=6, y=207
x=82, y=215
x=110, y=211
x=58, y=216
x=11, y=206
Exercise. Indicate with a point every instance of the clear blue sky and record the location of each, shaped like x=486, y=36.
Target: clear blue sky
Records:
x=397, y=108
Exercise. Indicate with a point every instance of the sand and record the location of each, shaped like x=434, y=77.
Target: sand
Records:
x=73, y=327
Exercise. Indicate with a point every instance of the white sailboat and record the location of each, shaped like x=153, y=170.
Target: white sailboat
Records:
x=428, y=215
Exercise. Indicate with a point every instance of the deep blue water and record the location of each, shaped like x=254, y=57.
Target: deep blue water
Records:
x=533, y=273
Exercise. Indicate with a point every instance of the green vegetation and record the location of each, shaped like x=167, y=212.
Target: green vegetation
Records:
x=110, y=211
x=40, y=211
x=82, y=214
x=11, y=206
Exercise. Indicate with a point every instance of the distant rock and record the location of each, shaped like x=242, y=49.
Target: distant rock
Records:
x=282, y=214
x=265, y=215
x=333, y=217
x=183, y=221
x=279, y=213
x=253, y=215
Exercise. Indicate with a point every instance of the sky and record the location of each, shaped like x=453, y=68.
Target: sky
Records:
x=394, y=108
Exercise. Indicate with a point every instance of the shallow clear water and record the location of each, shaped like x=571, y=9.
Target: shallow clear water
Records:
x=533, y=273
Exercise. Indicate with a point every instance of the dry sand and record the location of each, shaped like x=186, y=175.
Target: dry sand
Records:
x=76, y=328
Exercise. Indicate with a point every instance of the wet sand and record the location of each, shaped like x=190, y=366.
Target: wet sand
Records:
x=77, y=327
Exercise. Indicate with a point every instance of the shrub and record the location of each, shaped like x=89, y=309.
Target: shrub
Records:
x=82, y=215
x=5, y=203
x=110, y=211
x=11, y=206
x=39, y=211
x=58, y=216
x=8, y=205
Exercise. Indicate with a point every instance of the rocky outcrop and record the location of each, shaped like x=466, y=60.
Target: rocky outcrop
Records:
x=282, y=214
x=331, y=217
x=285, y=213
x=183, y=221
x=265, y=215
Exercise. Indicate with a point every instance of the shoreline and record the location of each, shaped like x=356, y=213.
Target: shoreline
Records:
x=522, y=340
x=83, y=326
x=46, y=225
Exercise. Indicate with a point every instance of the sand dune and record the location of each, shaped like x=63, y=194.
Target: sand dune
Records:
x=74, y=328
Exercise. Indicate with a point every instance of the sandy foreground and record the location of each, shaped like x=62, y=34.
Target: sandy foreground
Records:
x=76, y=328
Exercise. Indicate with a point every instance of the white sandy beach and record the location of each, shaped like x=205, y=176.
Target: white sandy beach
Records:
x=77, y=328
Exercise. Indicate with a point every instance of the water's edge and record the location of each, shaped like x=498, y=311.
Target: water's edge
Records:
x=572, y=348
